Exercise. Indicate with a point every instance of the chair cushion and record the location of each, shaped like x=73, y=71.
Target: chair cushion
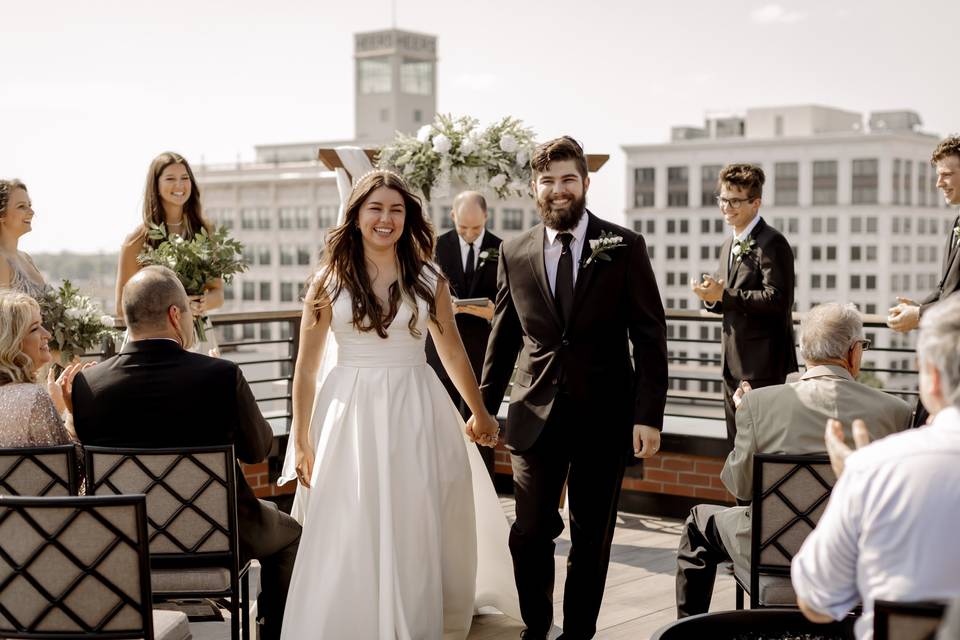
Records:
x=200, y=581
x=171, y=625
x=775, y=591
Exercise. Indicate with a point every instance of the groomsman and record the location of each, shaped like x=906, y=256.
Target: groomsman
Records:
x=467, y=255
x=575, y=292
x=754, y=291
x=906, y=315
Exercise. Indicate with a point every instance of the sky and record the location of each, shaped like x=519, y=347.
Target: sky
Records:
x=91, y=91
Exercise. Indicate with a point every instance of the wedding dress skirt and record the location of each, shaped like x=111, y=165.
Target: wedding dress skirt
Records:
x=403, y=536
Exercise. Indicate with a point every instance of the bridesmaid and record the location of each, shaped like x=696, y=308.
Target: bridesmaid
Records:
x=171, y=197
x=17, y=270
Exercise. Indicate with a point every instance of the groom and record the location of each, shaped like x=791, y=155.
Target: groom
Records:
x=572, y=292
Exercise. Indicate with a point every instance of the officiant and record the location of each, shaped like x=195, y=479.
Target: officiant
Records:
x=467, y=255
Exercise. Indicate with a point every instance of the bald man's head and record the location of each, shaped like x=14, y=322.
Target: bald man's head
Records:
x=469, y=215
x=147, y=299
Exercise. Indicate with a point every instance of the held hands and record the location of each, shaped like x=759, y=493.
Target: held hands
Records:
x=837, y=449
x=905, y=316
x=198, y=304
x=484, y=311
x=709, y=290
x=304, y=457
x=741, y=391
x=484, y=430
x=646, y=441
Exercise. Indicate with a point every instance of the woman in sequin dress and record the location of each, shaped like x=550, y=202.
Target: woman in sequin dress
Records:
x=17, y=270
x=30, y=416
x=171, y=197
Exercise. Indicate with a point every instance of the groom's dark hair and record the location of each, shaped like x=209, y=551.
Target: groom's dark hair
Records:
x=563, y=148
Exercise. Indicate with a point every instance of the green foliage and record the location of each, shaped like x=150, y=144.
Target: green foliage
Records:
x=76, y=324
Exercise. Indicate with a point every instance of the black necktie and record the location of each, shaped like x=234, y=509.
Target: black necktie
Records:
x=468, y=272
x=563, y=291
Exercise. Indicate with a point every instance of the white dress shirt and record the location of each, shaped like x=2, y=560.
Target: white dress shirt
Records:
x=741, y=236
x=890, y=529
x=465, y=249
x=553, y=247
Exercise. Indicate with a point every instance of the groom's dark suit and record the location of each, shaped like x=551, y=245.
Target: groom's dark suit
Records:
x=154, y=394
x=576, y=394
x=757, y=307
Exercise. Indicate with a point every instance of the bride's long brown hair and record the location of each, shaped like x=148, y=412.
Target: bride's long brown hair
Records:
x=343, y=265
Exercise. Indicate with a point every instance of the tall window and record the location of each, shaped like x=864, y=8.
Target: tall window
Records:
x=864, y=181
x=302, y=217
x=247, y=219
x=286, y=255
x=374, y=75
x=249, y=291
x=825, y=182
x=643, y=186
x=265, y=291
x=286, y=292
x=264, y=255
x=921, y=184
x=326, y=216
x=709, y=174
x=678, y=186
x=786, y=183
x=263, y=218
x=416, y=77
x=303, y=255
x=895, y=180
x=512, y=219
x=286, y=217
x=226, y=218
x=908, y=182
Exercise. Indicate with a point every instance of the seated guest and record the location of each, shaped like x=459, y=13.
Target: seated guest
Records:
x=30, y=416
x=786, y=418
x=889, y=529
x=156, y=394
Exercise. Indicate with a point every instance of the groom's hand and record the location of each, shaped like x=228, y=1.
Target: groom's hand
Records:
x=646, y=441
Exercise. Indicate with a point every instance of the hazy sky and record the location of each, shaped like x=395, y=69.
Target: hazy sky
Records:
x=92, y=90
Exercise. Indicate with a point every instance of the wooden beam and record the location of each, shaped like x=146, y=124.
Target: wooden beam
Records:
x=331, y=160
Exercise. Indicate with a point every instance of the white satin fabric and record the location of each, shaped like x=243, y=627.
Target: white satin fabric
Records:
x=404, y=536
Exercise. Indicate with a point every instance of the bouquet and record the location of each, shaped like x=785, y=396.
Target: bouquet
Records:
x=76, y=324
x=493, y=159
x=207, y=257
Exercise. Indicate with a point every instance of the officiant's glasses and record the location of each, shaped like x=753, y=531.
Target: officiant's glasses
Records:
x=865, y=342
x=733, y=203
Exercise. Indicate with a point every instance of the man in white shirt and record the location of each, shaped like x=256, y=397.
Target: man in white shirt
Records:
x=890, y=529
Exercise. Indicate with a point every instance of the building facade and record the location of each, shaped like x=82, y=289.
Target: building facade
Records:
x=857, y=202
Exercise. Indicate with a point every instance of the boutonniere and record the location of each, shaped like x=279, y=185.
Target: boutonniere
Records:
x=742, y=248
x=956, y=233
x=489, y=255
x=600, y=246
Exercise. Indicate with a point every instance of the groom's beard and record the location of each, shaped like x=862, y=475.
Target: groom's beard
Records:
x=562, y=218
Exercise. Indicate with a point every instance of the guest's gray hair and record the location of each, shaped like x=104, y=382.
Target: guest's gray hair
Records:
x=149, y=294
x=828, y=331
x=939, y=345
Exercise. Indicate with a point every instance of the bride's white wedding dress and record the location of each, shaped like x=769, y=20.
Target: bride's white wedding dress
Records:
x=403, y=534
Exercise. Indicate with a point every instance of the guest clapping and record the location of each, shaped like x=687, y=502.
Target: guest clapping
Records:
x=17, y=270
x=172, y=198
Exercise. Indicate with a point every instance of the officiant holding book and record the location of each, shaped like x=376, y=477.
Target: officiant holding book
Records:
x=467, y=255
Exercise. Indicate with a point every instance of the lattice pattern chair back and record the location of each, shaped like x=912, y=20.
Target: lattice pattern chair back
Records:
x=790, y=493
x=191, y=495
x=39, y=471
x=74, y=567
x=906, y=620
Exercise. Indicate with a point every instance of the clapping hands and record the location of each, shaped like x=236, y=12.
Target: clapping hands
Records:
x=709, y=289
x=484, y=430
x=837, y=449
x=61, y=389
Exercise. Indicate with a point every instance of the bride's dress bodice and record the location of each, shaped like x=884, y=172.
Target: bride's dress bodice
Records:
x=366, y=349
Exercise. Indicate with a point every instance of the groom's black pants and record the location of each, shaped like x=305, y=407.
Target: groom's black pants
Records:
x=567, y=449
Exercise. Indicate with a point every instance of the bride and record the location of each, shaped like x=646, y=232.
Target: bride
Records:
x=403, y=534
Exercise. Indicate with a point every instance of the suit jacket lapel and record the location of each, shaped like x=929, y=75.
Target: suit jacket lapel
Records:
x=585, y=273
x=488, y=243
x=725, y=261
x=949, y=254
x=539, y=268
x=736, y=263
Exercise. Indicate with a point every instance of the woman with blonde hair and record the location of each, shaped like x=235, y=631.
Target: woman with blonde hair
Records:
x=17, y=270
x=172, y=198
x=29, y=415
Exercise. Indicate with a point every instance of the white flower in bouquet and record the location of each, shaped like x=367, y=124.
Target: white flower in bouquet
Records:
x=73, y=313
x=498, y=181
x=522, y=157
x=108, y=321
x=468, y=146
x=441, y=144
x=508, y=143
x=423, y=133
x=518, y=185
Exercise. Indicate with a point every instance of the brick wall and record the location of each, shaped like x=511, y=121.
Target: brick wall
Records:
x=258, y=478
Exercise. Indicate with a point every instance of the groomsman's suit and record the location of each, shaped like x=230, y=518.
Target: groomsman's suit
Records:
x=154, y=394
x=757, y=303
x=949, y=284
x=577, y=393
x=474, y=331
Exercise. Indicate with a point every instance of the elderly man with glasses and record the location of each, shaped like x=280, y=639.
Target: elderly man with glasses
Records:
x=787, y=418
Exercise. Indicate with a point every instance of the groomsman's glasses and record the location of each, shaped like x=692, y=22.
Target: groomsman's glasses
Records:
x=866, y=343
x=733, y=203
